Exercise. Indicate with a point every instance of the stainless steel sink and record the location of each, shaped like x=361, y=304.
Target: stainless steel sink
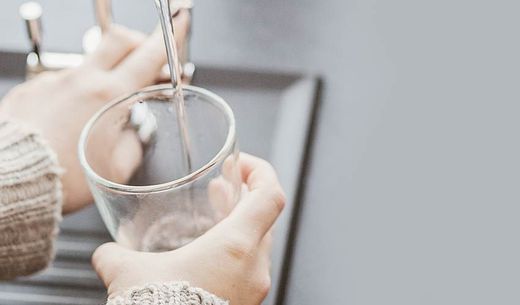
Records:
x=274, y=112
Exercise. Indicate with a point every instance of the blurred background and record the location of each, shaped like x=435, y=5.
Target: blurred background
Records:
x=412, y=189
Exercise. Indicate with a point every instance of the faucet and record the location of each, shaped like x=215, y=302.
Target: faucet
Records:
x=37, y=60
x=40, y=61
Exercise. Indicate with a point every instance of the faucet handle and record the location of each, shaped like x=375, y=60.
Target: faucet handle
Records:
x=31, y=13
x=104, y=19
x=37, y=60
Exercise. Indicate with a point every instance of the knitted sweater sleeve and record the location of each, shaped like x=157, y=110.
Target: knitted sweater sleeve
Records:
x=169, y=293
x=30, y=201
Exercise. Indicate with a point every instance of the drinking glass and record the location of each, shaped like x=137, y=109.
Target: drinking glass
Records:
x=177, y=174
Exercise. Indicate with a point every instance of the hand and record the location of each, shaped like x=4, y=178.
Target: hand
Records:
x=231, y=260
x=58, y=104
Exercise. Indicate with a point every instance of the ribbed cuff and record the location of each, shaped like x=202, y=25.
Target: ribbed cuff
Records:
x=30, y=201
x=171, y=293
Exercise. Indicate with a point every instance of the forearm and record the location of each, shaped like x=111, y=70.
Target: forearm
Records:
x=30, y=201
x=172, y=293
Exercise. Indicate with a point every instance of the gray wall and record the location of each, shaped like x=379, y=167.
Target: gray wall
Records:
x=413, y=190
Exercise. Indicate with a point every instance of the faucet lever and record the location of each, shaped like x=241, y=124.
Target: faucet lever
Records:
x=31, y=13
x=37, y=60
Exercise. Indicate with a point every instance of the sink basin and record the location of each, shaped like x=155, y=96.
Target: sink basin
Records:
x=274, y=113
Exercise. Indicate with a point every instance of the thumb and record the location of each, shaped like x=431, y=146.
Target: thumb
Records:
x=108, y=259
x=257, y=211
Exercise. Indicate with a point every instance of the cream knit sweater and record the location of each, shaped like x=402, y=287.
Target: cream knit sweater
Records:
x=30, y=212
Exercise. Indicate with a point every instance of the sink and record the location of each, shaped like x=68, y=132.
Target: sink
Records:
x=275, y=113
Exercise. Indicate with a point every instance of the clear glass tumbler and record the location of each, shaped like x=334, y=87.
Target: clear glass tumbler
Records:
x=174, y=178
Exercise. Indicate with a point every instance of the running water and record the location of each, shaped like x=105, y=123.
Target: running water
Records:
x=174, y=229
x=165, y=16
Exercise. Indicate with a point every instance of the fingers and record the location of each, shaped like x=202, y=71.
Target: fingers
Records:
x=257, y=211
x=220, y=193
x=142, y=67
x=257, y=173
x=126, y=156
x=117, y=43
x=230, y=168
x=222, y=190
x=107, y=260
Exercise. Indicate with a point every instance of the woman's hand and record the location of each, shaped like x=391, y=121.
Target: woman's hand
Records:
x=232, y=260
x=58, y=104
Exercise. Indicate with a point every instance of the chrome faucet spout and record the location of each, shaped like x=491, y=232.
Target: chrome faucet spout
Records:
x=39, y=61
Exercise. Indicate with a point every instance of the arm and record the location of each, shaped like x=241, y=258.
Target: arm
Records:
x=30, y=201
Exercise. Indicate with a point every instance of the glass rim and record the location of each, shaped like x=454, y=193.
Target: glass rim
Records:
x=153, y=188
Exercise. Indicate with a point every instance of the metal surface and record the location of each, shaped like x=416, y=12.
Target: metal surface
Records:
x=274, y=113
x=37, y=60
x=31, y=12
x=104, y=17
